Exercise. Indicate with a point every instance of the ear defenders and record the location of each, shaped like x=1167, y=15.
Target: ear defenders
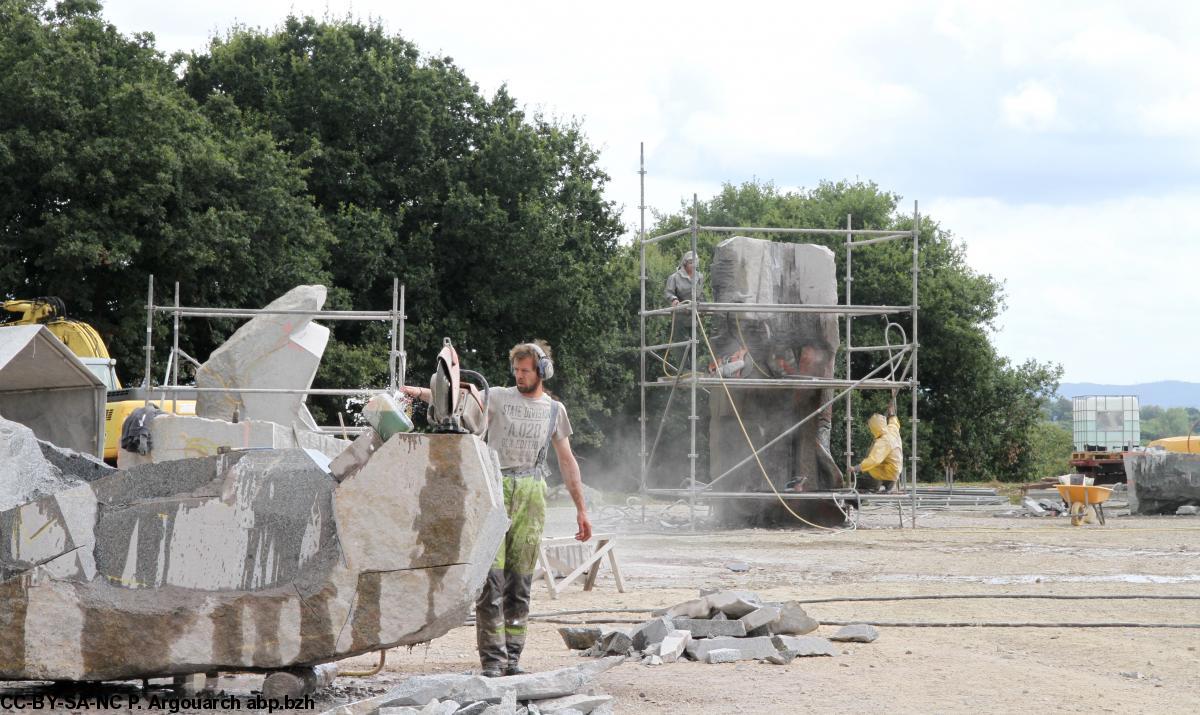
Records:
x=545, y=366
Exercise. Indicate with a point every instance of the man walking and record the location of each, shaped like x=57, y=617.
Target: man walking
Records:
x=524, y=423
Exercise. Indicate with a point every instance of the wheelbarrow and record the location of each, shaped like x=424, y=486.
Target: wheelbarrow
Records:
x=1079, y=497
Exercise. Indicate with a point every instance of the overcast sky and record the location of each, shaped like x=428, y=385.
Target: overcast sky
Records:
x=1059, y=141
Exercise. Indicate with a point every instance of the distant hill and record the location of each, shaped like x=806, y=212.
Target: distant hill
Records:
x=1168, y=393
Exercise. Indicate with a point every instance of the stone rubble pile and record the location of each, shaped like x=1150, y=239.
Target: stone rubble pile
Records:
x=566, y=691
x=719, y=627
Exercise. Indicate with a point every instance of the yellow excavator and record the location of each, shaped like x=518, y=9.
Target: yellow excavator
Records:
x=83, y=340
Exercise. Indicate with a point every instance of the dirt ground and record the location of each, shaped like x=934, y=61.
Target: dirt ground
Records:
x=909, y=669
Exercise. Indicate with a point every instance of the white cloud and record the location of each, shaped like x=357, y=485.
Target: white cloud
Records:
x=1032, y=108
x=1105, y=288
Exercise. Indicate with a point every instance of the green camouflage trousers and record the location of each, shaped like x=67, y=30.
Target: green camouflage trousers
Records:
x=503, y=605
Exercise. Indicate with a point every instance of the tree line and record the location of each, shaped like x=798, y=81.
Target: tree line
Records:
x=335, y=152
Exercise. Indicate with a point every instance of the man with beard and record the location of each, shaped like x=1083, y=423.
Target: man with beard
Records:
x=524, y=423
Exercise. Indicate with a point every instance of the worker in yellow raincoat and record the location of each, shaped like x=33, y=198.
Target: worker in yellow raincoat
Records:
x=880, y=470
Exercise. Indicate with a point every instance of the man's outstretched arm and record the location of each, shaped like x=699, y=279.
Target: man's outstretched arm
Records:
x=574, y=484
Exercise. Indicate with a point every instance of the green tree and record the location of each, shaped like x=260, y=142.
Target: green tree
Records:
x=977, y=409
x=1051, y=446
x=109, y=172
x=494, y=219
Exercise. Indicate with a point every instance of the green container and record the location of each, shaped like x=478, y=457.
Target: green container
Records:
x=386, y=414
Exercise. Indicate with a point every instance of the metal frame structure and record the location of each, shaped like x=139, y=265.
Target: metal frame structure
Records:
x=397, y=357
x=854, y=239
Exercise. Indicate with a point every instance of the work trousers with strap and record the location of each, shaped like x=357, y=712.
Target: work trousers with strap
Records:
x=502, y=609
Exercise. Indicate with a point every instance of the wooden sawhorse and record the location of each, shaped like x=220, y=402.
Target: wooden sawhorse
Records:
x=603, y=546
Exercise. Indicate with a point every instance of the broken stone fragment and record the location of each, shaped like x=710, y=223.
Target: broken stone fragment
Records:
x=734, y=604
x=700, y=628
x=760, y=617
x=1187, y=510
x=615, y=643
x=298, y=682
x=793, y=620
x=352, y=459
x=750, y=648
x=722, y=655
x=782, y=657
x=580, y=637
x=651, y=633
x=695, y=608
x=856, y=633
x=804, y=646
x=475, y=708
x=673, y=645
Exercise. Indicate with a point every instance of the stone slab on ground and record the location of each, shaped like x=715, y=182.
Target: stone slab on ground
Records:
x=1187, y=510
x=421, y=689
x=750, y=648
x=710, y=629
x=580, y=637
x=856, y=633
x=722, y=655
x=188, y=436
x=247, y=560
x=804, y=646
x=583, y=703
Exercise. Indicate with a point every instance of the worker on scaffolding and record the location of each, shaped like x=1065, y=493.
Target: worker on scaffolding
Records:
x=880, y=470
x=679, y=284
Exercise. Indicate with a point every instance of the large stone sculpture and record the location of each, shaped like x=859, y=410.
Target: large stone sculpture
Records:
x=769, y=345
x=271, y=351
x=254, y=560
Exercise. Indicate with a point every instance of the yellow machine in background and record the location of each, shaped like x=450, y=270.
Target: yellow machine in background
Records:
x=1187, y=445
x=83, y=340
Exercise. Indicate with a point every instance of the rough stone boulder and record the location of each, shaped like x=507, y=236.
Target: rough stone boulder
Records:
x=254, y=560
x=32, y=468
x=272, y=351
x=1161, y=482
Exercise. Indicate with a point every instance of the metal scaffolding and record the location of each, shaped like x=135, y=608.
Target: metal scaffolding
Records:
x=397, y=358
x=901, y=360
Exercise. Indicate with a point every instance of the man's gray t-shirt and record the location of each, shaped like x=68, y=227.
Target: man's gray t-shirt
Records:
x=518, y=425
